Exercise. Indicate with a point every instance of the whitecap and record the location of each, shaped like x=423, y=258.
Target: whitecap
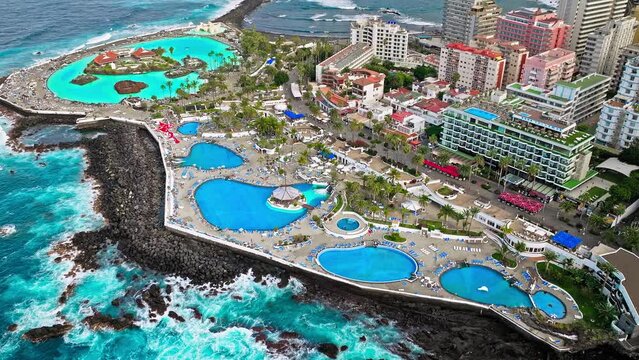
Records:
x=7, y=230
x=336, y=4
x=317, y=17
x=412, y=21
x=99, y=39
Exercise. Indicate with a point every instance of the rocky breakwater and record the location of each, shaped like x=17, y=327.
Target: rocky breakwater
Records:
x=129, y=87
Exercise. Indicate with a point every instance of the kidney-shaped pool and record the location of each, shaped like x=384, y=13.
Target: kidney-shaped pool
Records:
x=368, y=264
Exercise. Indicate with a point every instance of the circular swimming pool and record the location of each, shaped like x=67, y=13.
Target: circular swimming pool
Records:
x=368, y=264
x=348, y=224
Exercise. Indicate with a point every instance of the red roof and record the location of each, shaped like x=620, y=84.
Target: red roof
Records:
x=367, y=81
x=398, y=92
x=141, y=53
x=482, y=52
x=401, y=116
x=434, y=105
x=106, y=58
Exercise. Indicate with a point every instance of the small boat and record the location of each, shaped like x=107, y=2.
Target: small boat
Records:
x=483, y=288
x=390, y=11
x=37, y=53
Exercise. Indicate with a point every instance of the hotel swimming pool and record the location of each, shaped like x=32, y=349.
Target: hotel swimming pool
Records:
x=482, y=113
x=103, y=91
x=466, y=283
x=234, y=205
x=368, y=264
x=189, y=128
x=348, y=224
x=207, y=156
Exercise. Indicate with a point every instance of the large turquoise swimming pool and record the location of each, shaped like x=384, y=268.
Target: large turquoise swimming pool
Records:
x=189, y=128
x=235, y=205
x=487, y=286
x=466, y=283
x=368, y=264
x=103, y=91
x=207, y=156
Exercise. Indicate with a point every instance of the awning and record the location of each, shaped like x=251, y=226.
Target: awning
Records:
x=411, y=205
x=293, y=115
x=513, y=179
x=565, y=239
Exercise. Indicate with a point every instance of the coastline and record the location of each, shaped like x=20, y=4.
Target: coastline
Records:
x=236, y=15
x=134, y=222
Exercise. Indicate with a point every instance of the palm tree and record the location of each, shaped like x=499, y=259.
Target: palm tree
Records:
x=417, y=160
x=443, y=158
x=163, y=87
x=210, y=54
x=566, y=207
x=424, y=200
x=355, y=127
x=550, y=256
x=504, y=163
x=596, y=222
x=433, y=139
x=458, y=217
x=445, y=211
x=568, y=263
x=606, y=313
x=465, y=171
x=607, y=268
x=169, y=85
x=394, y=175
x=480, y=161
x=533, y=171
x=520, y=246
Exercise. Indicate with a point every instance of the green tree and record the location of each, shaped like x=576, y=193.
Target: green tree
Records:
x=550, y=256
x=520, y=246
x=465, y=171
x=445, y=212
x=422, y=72
x=566, y=207
x=454, y=79
x=504, y=163
x=280, y=78
x=355, y=127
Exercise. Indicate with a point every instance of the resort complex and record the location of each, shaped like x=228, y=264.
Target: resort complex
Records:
x=480, y=183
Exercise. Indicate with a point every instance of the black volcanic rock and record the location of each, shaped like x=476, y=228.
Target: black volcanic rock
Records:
x=45, y=333
x=328, y=349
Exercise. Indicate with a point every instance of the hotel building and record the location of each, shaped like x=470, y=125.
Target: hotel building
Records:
x=350, y=57
x=627, y=53
x=604, y=46
x=478, y=69
x=568, y=102
x=538, y=30
x=545, y=69
x=586, y=16
x=523, y=133
x=465, y=19
x=388, y=40
x=618, y=124
x=514, y=53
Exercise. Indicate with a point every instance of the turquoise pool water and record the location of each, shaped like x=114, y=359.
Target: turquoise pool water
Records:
x=348, y=224
x=103, y=91
x=207, y=156
x=549, y=304
x=235, y=205
x=465, y=282
x=189, y=128
x=481, y=113
x=368, y=264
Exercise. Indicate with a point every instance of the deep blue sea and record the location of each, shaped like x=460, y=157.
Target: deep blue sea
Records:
x=44, y=201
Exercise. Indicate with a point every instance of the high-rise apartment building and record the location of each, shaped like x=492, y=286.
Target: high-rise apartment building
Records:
x=618, y=124
x=604, y=46
x=627, y=53
x=545, y=69
x=389, y=40
x=538, y=30
x=586, y=16
x=477, y=69
x=465, y=19
x=514, y=53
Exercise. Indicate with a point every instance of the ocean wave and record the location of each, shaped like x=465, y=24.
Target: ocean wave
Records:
x=281, y=16
x=317, y=17
x=412, y=21
x=336, y=4
x=99, y=39
x=7, y=230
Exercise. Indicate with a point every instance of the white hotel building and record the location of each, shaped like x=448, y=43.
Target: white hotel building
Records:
x=389, y=40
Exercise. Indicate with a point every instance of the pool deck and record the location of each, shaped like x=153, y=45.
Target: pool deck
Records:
x=432, y=263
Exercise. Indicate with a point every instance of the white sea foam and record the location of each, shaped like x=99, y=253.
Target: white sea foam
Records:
x=281, y=16
x=99, y=39
x=412, y=21
x=7, y=230
x=317, y=17
x=336, y=4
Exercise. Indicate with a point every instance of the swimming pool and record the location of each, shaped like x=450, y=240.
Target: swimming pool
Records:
x=189, y=128
x=466, y=283
x=103, y=91
x=549, y=304
x=481, y=113
x=348, y=224
x=368, y=264
x=234, y=205
x=207, y=156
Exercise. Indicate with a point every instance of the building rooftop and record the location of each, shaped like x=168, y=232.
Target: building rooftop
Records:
x=626, y=263
x=495, y=55
x=434, y=105
x=585, y=82
x=346, y=56
x=554, y=54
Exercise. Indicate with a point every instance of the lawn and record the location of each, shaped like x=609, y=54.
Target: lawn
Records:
x=445, y=191
x=395, y=237
x=593, y=194
x=585, y=298
x=507, y=261
x=339, y=204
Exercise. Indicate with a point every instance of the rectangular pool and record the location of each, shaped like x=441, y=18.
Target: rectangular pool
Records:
x=482, y=113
